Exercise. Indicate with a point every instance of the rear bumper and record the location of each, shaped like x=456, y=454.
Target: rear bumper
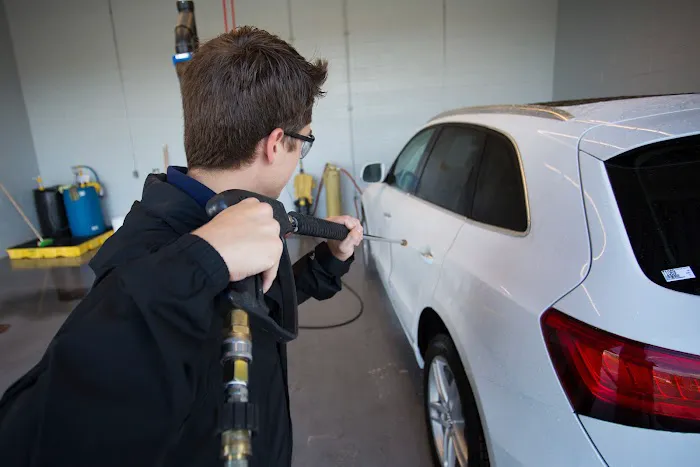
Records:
x=523, y=432
x=622, y=445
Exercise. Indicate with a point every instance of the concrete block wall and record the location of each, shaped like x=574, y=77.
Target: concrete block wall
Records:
x=18, y=163
x=626, y=47
x=78, y=110
x=393, y=64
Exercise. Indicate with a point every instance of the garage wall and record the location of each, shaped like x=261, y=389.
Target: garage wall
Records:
x=411, y=60
x=626, y=47
x=18, y=164
x=78, y=110
x=393, y=65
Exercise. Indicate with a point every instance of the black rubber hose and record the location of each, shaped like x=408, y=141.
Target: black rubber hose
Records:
x=342, y=323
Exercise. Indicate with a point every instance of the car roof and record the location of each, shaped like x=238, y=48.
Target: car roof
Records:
x=600, y=120
x=606, y=109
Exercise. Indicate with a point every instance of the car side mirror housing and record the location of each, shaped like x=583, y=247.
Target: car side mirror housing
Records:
x=373, y=173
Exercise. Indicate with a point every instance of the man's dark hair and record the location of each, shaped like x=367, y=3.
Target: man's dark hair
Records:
x=239, y=87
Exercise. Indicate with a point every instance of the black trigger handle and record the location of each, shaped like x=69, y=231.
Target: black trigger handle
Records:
x=248, y=293
x=228, y=198
x=292, y=222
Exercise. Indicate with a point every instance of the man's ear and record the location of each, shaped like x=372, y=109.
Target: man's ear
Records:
x=273, y=145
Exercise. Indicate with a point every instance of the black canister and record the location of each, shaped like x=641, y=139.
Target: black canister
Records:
x=51, y=211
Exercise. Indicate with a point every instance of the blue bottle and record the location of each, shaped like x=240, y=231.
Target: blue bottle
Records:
x=84, y=211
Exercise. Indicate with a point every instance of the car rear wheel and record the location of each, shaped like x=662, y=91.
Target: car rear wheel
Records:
x=454, y=427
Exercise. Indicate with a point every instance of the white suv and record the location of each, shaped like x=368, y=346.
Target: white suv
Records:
x=549, y=283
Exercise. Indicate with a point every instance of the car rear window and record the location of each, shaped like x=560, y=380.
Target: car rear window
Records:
x=657, y=188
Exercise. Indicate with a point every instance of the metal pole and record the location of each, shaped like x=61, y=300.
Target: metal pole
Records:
x=371, y=238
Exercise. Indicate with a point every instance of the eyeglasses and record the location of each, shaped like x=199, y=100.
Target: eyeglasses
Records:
x=306, y=142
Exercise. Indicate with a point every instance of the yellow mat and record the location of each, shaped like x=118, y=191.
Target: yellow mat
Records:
x=61, y=249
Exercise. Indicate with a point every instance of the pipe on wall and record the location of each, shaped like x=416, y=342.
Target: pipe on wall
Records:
x=223, y=8
x=233, y=15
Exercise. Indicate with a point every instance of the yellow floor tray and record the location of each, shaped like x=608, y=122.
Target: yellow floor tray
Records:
x=64, y=248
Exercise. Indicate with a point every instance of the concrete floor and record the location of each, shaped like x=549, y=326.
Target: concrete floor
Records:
x=355, y=390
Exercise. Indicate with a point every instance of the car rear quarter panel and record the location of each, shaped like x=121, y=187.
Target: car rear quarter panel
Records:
x=617, y=297
x=494, y=287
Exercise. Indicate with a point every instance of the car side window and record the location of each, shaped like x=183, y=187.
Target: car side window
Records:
x=404, y=175
x=449, y=175
x=500, y=194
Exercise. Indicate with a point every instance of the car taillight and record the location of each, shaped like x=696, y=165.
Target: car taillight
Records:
x=623, y=381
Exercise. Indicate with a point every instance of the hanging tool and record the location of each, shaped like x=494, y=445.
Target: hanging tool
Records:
x=186, y=38
x=303, y=191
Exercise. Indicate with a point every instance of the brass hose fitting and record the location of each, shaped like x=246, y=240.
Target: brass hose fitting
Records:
x=237, y=355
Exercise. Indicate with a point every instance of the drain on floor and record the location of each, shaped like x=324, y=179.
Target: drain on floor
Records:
x=4, y=327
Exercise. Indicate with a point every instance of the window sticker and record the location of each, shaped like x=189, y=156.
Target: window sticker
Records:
x=678, y=274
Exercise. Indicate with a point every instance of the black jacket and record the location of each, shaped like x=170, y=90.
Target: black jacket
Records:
x=133, y=376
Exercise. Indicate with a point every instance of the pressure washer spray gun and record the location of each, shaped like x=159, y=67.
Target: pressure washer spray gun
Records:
x=247, y=305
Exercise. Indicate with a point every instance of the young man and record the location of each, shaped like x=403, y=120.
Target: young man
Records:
x=133, y=378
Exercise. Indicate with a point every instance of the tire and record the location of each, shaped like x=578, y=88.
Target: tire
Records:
x=441, y=355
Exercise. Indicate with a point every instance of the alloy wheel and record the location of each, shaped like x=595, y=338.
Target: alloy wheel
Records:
x=446, y=416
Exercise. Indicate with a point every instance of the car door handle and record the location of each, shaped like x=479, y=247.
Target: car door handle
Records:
x=387, y=215
x=428, y=257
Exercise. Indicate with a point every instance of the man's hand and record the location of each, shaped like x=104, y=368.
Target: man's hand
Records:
x=248, y=239
x=343, y=250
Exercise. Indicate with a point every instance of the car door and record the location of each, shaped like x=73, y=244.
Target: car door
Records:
x=401, y=180
x=485, y=284
x=431, y=219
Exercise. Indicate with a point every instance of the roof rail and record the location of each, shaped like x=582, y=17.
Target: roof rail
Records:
x=531, y=110
x=595, y=100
